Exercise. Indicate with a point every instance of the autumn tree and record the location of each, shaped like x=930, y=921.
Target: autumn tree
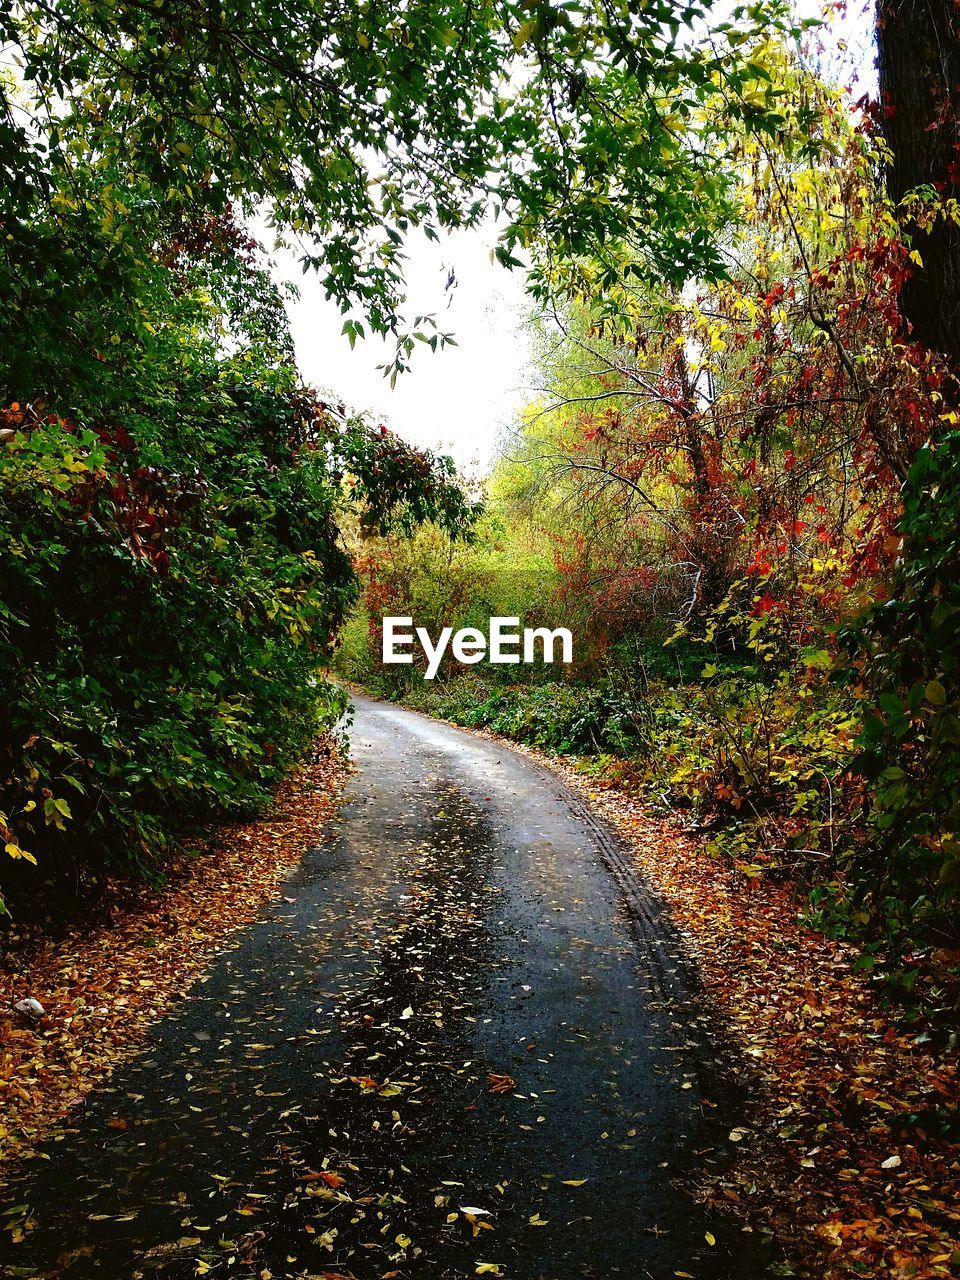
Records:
x=759, y=423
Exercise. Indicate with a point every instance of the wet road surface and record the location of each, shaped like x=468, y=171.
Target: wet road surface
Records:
x=461, y=1043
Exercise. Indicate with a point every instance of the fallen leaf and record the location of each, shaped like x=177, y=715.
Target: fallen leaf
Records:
x=501, y=1083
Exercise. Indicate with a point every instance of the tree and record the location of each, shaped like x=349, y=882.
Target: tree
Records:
x=354, y=123
x=743, y=431
x=919, y=60
x=172, y=576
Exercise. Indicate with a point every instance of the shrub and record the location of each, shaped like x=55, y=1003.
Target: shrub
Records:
x=908, y=877
x=166, y=632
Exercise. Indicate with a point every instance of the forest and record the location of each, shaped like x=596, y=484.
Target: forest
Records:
x=735, y=480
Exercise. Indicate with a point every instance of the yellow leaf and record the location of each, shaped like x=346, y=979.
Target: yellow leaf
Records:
x=15, y=851
x=519, y=40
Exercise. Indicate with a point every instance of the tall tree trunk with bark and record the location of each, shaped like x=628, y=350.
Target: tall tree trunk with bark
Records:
x=919, y=59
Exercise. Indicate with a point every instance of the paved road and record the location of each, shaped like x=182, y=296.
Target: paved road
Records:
x=324, y=1103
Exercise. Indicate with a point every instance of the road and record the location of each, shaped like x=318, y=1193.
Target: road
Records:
x=461, y=1042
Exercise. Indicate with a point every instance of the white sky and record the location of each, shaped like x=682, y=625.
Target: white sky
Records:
x=457, y=400
x=460, y=400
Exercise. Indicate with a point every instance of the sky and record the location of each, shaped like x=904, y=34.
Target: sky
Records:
x=462, y=399
x=458, y=400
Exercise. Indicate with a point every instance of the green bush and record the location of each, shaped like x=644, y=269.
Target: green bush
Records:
x=908, y=877
x=568, y=718
x=166, y=632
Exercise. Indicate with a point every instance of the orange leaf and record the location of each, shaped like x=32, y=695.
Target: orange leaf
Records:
x=501, y=1083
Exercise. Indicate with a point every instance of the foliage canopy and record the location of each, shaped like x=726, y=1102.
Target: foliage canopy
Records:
x=351, y=124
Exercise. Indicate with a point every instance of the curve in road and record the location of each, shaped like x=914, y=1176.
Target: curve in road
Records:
x=463, y=1042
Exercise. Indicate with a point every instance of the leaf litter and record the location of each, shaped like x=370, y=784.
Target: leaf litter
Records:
x=103, y=985
x=852, y=1158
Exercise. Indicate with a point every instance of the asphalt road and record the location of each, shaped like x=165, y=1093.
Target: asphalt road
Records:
x=462, y=1042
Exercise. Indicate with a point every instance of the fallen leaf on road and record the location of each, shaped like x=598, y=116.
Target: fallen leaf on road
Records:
x=501, y=1083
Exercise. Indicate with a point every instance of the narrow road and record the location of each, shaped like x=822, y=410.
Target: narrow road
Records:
x=461, y=1043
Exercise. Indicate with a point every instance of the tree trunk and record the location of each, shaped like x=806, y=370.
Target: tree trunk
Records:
x=919, y=59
